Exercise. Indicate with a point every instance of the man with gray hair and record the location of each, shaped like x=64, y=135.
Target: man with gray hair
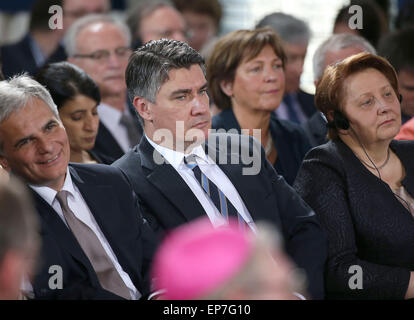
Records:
x=95, y=244
x=19, y=239
x=100, y=45
x=336, y=48
x=297, y=105
x=155, y=19
x=181, y=171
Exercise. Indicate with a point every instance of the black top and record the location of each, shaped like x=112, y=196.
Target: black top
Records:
x=366, y=224
x=289, y=139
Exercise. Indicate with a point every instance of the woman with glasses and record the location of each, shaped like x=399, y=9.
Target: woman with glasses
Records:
x=77, y=98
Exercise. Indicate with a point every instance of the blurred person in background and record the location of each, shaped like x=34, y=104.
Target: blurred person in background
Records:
x=77, y=98
x=374, y=21
x=155, y=19
x=246, y=78
x=398, y=48
x=100, y=45
x=19, y=239
x=198, y=262
x=42, y=44
x=297, y=105
x=203, y=22
x=334, y=49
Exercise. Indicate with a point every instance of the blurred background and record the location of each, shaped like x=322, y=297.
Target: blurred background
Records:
x=237, y=14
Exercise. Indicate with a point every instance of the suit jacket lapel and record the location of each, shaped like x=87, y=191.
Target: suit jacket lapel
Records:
x=166, y=179
x=60, y=231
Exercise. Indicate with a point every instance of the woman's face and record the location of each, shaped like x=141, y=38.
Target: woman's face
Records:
x=259, y=83
x=372, y=106
x=80, y=119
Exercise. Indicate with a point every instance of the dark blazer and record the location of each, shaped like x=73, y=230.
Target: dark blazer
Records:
x=316, y=129
x=307, y=103
x=289, y=139
x=105, y=144
x=168, y=202
x=18, y=58
x=114, y=206
x=366, y=224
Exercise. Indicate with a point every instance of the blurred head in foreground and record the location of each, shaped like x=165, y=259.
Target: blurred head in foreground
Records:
x=19, y=242
x=197, y=261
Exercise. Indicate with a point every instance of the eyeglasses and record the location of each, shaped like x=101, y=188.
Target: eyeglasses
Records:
x=169, y=33
x=103, y=55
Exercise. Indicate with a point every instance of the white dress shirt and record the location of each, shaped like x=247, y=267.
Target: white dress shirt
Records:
x=111, y=118
x=215, y=174
x=77, y=204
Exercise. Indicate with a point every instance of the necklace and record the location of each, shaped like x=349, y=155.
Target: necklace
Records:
x=269, y=144
x=381, y=166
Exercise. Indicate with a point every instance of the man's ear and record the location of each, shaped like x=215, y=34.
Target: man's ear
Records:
x=143, y=107
x=227, y=87
x=4, y=163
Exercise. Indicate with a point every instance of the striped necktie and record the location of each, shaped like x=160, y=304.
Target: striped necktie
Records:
x=223, y=205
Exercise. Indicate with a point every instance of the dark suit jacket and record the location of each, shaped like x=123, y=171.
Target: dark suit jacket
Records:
x=105, y=144
x=114, y=206
x=366, y=224
x=307, y=103
x=168, y=202
x=18, y=58
x=316, y=129
x=289, y=139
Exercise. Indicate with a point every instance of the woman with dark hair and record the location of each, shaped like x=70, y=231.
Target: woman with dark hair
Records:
x=246, y=80
x=77, y=97
x=361, y=183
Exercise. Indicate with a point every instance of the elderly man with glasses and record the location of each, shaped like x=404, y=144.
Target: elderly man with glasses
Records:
x=100, y=45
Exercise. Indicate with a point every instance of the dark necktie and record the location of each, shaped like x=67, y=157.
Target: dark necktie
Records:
x=132, y=129
x=107, y=274
x=291, y=111
x=223, y=205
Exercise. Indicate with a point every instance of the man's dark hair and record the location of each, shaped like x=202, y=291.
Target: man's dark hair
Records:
x=148, y=67
x=39, y=16
x=374, y=20
x=398, y=49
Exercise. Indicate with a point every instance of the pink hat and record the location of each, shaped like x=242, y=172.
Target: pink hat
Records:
x=196, y=258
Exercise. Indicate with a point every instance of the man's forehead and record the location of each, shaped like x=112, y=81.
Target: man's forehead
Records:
x=87, y=6
x=185, y=78
x=35, y=111
x=98, y=30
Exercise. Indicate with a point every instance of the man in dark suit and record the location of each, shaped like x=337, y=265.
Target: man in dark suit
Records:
x=100, y=45
x=95, y=243
x=178, y=176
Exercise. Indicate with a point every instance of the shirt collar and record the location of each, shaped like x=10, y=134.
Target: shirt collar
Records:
x=176, y=158
x=49, y=194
